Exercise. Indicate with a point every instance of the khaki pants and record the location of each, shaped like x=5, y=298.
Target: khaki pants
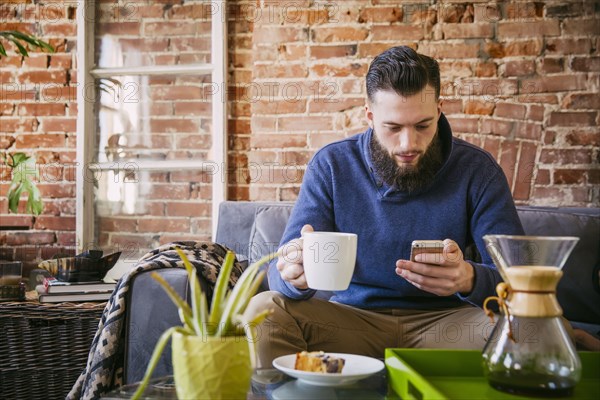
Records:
x=316, y=324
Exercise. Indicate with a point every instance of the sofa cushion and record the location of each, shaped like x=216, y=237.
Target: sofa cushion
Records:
x=578, y=292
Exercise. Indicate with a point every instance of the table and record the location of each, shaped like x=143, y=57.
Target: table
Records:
x=273, y=384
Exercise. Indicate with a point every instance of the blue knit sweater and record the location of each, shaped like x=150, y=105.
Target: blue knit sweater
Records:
x=468, y=198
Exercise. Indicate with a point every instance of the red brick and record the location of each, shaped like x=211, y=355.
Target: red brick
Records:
x=264, y=124
x=169, y=191
x=122, y=28
x=542, y=177
x=16, y=220
x=340, y=34
x=23, y=238
x=55, y=93
x=508, y=159
x=270, y=141
x=569, y=176
x=468, y=31
x=295, y=15
x=568, y=46
x=164, y=225
x=551, y=66
x=335, y=104
x=57, y=190
x=7, y=109
x=566, y=156
x=582, y=138
x=50, y=124
x=586, y=64
x=41, y=109
x=293, y=106
x=538, y=98
x=510, y=110
x=334, y=51
x=347, y=69
x=583, y=101
x=572, y=118
x=64, y=239
x=15, y=124
x=528, y=130
x=492, y=146
x=59, y=29
x=525, y=172
x=489, y=88
x=280, y=71
x=528, y=29
x=581, y=27
x=450, y=69
x=304, y=124
x=55, y=77
x=497, y=127
x=11, y=61
x=479, y=107
x=273, y=34
x=456, y=51
x=380, y=15
x=116, y=224
x=485, y=69
x=555, y=83
x=171, y=125
x=532, y=47
x=593, y=176
x=55, y=223
x=464, y=125
x=535, y=112
x=487, y=13
x=519, y=68
x=521, y=10
x=36, y=61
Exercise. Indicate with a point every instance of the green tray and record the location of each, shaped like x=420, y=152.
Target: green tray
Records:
x=457, y=374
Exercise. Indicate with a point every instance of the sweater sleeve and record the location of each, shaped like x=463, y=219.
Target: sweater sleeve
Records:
x=494, y=213
x=314, y=206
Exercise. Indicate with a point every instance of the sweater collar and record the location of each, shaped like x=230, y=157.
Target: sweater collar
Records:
x=386, y=191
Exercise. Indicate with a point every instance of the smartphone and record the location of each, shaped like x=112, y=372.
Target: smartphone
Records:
x=426, y=246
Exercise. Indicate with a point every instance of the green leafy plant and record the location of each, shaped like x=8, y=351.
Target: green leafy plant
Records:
x=23, y=172
x=22, y=41
x=226, y=309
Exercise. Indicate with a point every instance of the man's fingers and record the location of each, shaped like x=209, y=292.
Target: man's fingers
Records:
x=306, y=228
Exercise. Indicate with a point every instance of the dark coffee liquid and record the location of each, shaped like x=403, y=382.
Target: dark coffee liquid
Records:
x=538, y=385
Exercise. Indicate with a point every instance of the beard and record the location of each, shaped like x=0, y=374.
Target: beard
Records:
x=409, y=178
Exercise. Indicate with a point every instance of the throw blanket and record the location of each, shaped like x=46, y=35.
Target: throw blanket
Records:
x=104, y=369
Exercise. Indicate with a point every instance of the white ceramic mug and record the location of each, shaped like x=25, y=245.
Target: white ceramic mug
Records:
x=329, y=259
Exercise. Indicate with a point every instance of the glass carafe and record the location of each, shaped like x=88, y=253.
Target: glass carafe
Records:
x=529, y=351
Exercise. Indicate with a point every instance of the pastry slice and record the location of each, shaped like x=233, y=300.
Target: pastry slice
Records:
x=318, y=361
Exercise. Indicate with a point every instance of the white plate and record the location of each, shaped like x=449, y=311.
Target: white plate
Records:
x=355, y=368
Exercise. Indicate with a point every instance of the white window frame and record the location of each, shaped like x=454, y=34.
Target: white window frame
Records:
x=87, y=72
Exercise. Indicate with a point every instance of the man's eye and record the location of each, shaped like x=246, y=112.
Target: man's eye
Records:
x=421, y=127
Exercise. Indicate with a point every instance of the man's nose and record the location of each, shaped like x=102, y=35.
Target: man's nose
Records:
x=407, y=139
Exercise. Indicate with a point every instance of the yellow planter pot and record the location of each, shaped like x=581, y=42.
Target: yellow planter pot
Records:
x=211, y=367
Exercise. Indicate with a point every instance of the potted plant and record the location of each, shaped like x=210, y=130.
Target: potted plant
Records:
x=213, y=352
x=23, y=172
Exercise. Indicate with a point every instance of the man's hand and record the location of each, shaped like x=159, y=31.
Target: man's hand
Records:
x=442, y=274
x=290, y=265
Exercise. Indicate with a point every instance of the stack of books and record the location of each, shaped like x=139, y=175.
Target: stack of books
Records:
x=54, y=291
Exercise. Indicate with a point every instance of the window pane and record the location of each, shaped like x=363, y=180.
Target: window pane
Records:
x=137, y=210
x=154, y=118
x=138, y=33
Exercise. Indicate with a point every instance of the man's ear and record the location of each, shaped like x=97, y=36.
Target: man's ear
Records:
x=439, y=107
x=369, y=115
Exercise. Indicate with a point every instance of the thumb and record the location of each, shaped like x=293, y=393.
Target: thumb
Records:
x=306, y=228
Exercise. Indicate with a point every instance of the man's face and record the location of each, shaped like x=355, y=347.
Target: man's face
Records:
x=404, y=126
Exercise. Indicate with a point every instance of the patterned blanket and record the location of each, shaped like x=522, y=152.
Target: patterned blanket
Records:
x=105, y=364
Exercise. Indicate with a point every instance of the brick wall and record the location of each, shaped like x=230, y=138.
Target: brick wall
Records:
x=520, y=79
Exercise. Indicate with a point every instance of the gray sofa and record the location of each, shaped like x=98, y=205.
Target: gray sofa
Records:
x=253, y=229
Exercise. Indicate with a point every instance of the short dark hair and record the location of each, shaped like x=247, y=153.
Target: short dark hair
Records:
x=404, y=71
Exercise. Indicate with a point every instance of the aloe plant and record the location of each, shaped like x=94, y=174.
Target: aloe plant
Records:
x=226, y=309
x=23, y=170
x=21, y=41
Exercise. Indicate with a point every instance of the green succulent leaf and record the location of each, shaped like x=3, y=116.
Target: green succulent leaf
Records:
x=24, y=171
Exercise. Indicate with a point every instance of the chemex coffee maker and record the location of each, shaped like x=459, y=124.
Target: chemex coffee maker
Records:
x=529, y=351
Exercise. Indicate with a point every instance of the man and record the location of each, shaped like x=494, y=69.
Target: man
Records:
x=406, y=178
